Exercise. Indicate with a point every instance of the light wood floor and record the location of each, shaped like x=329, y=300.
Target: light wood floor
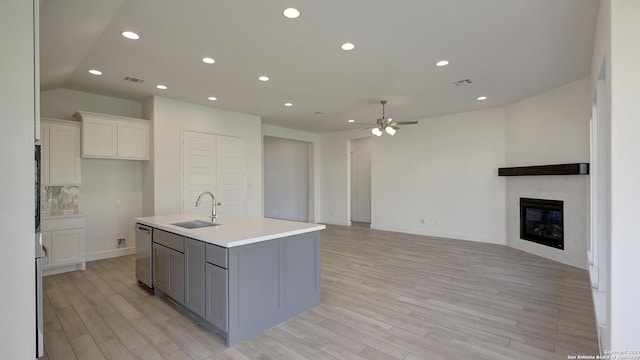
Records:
x=384, y=296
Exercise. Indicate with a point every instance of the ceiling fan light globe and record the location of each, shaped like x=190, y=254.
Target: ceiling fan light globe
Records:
x=376, y=131
x=391, y=131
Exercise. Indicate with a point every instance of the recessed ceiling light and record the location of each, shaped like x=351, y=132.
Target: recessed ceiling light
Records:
x=442, y=63
x=130, y=35
x=212, y=98
x=208, y=60
x=347, y=46
x=291, y=13
x=482, y=98
x=95, y=72
x=351, y=120
x=263, y=78
x=288, y=104
x=162, y=87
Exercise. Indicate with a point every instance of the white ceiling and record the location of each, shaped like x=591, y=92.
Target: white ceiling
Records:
x=510, y=49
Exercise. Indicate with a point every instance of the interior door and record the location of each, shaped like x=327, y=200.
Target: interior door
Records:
x=231, y=170
x=199, y=170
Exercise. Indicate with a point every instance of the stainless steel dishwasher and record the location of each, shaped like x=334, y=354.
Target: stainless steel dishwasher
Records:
x=144, y=265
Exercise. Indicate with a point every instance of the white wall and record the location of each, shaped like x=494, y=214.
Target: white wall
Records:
x=335, y=176
x=169, y=118
x=148, y=188
x=315, y=173
x=443, y=170
x=551, y=128
x=62, y=103
x=286, y=179
x=624, y=289
x=110, y=197
x=17, y=270
x=111, y=190
x=361, y=179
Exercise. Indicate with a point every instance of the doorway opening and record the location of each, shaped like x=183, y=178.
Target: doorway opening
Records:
x=360, y=171
x=288, y=169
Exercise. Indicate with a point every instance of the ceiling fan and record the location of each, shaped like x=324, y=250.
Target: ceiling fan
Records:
x=386, y=124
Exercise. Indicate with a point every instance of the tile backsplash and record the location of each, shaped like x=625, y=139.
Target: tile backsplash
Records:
x=59, y=199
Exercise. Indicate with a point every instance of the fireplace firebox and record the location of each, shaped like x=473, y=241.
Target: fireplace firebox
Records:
x=542, y=221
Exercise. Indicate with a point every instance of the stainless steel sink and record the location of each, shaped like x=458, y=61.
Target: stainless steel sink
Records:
x=194, y=224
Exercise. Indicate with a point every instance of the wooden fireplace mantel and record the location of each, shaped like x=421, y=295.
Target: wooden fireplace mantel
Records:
x=558, y=169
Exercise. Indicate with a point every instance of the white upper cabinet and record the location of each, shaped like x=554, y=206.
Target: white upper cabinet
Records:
x=99, y=138
x=60, y=142
x=114, y=137
x=133, y=140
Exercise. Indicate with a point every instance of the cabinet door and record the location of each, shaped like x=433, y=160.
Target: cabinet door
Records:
x=168, y=272
x=216, y=296
x=67, y=247
x=99, y=138
x=161, y=268
x=194, y=287
x=64, y=155
x=133, y=140
x=176, y=276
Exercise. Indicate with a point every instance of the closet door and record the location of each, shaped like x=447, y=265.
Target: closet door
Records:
x=231, y=168
x=213, y=163
x=198, y=170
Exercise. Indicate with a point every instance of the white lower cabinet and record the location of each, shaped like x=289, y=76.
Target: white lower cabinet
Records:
x=64, y=242
x=67, y=246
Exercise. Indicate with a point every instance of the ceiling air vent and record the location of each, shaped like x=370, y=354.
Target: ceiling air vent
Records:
x=462, y=82
x=319, y=113
x=133, y=79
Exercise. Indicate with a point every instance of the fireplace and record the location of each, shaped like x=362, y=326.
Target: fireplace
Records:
x=541, y=221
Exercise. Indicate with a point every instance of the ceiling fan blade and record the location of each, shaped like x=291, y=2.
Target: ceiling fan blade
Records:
x=403, y=123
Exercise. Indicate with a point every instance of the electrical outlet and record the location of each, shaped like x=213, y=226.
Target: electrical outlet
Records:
x=121, y=242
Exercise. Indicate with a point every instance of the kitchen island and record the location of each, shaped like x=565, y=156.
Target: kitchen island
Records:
x=240, y=277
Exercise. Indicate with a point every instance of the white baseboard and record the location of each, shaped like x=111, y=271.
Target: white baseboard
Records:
x=105, y=254
x=282, y=217
x=336, y=222
x=483, y=239
x=53, y=270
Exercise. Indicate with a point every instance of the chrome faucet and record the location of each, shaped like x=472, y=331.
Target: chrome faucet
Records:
x=213, y=204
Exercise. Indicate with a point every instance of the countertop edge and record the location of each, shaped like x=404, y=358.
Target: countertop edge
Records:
x=183, y=232
x=61, y=216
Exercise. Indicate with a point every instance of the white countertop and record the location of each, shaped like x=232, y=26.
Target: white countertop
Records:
x=235, y=230
x=54, y=215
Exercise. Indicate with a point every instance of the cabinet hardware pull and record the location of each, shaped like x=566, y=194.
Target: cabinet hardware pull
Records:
x=143, y=229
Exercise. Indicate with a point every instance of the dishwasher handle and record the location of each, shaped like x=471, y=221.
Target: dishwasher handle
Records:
x=145, y=229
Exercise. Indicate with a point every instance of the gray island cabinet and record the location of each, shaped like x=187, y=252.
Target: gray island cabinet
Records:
x=243, y=289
